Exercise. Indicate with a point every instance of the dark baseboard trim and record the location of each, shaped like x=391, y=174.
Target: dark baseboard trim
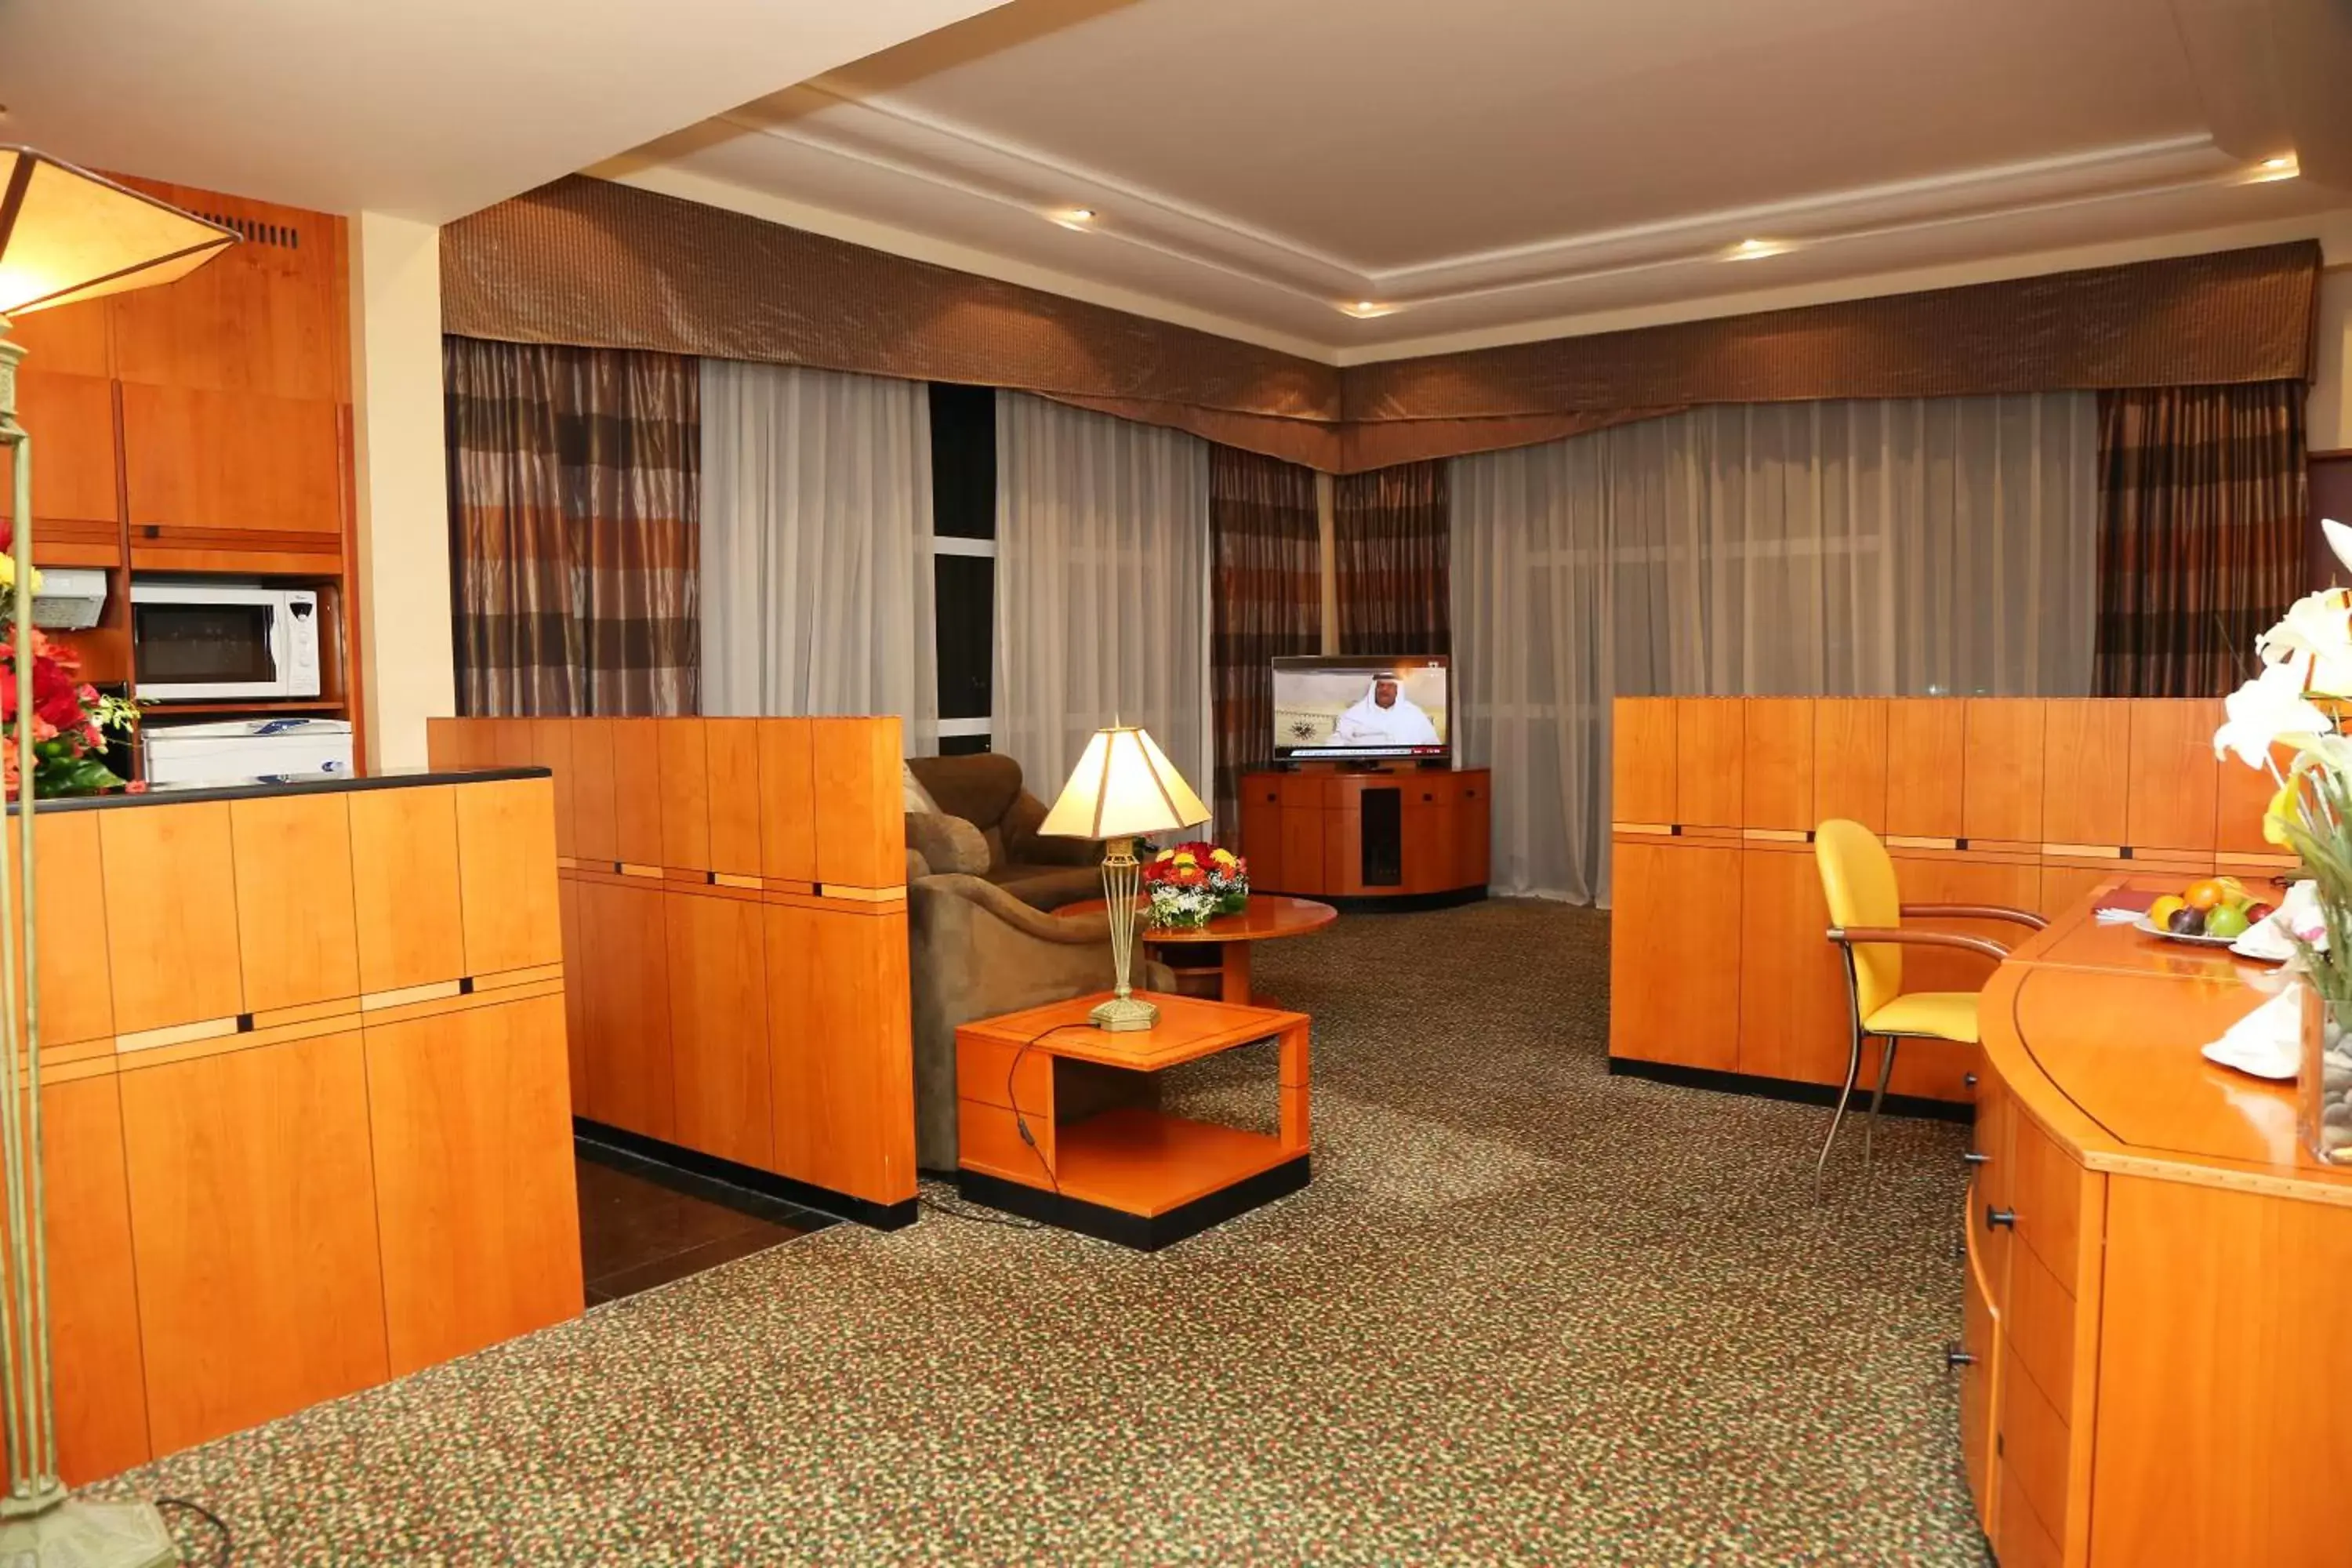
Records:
x=1145, y=1232
x=1822, y=1094
x=1390, y=903
x=825, y=1200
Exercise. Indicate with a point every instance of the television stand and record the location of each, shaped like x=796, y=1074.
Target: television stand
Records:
x=1395, y=837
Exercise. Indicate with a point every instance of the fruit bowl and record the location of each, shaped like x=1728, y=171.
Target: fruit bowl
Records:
x=2197, y=939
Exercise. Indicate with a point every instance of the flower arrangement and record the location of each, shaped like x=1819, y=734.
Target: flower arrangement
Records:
x=71, y=718
x=2299, y=702
x=1191, y=882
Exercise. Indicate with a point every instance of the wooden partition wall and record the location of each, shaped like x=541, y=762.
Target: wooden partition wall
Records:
x=735, y=915
x=306, y=1123
x=1717, y=958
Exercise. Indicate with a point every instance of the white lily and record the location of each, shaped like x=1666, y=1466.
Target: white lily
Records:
x=2339, y=539
x=2314, y=638
x=2264, y=711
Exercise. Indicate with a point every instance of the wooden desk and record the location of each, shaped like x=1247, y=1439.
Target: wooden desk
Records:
x=1140, y=1177
x=2157, y=1271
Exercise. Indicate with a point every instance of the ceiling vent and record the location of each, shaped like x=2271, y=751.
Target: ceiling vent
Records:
x=282, y=236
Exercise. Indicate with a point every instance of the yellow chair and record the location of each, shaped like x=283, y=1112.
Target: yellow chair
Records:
x=1866, y=914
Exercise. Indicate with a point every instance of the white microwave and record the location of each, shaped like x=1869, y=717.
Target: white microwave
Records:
x=214, y=640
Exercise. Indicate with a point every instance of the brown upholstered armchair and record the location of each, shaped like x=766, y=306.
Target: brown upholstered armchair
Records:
x=977, y=952
x=982, y=793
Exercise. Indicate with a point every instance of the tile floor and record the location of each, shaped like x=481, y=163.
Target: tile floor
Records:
x=643, y=1224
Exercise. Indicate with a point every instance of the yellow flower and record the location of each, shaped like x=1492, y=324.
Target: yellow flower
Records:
x=1222, y=856
x=1186, y=860
x=1165, y=855
x=8, y=574
x=2278, y=814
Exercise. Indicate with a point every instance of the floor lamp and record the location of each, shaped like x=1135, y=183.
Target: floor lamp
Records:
x=66, y=236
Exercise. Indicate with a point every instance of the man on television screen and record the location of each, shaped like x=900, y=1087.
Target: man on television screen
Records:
x=1385, y=716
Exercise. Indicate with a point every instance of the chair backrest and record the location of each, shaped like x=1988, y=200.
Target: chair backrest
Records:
x=1858, y=882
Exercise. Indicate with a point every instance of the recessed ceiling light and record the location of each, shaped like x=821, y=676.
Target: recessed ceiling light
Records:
x=1078, y=218
x=1365, y=309
x=1084, y=214
x=2281, y=168
x=1749, y=249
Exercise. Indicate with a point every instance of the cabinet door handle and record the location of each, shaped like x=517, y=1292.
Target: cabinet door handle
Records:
x=1975, y=1157
x=1996, y=1219
x=1956, y=1358
x=1968, y=1079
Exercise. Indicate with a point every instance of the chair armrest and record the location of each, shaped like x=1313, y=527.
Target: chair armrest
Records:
x=1069, y=930
x=1024, y=846
x=1871, y=935
x=947, y=844
x=1974, y=912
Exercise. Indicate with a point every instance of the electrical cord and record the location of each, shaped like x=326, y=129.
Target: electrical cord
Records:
x=227, y=1537
x=957, y=1211
x=1021, y=1122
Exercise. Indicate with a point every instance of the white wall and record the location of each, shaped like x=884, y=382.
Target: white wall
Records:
x=408, y=670
x=2328, y=414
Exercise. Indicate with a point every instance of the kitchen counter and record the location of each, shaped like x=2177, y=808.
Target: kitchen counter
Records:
x=309, y=1119
x=291, y=785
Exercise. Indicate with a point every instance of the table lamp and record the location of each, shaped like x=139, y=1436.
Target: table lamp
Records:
x=66, y=236
x=1123, y=787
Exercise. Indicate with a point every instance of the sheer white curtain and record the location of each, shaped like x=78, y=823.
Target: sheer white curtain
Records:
x=816, y=545
x=1102, y=587
x=1927, y=546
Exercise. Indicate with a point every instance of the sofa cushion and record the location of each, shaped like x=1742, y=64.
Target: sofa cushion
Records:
x=980, y=788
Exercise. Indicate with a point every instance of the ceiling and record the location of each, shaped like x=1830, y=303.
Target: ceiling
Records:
x=1484, y=169
x=426, y=109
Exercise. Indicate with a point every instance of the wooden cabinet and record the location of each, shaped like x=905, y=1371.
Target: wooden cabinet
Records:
x=731, y=748
x=470, y=1122
x=717, y=1016
x=683, y=760
x=71, y=419
x=1925, y=739
x=253, y=1223
x=636, y=791
x=406, y=888
x=1642, y=761
x=1793, y=1012
x=2088, y=772
x=1709, y=750
x=2174, y=775
x=1673, y=971
x=860, y=805
x=171, y=949
x=101, y=1379
x=77, y=984
x=506, y=876
x=625, y=1006
x=1321, y=848
x=234, y=463
x=840, y=1050
x=1850, y=762
x=297, y=938
x=788, y=800
x=1777, y=765
x=2001, y=771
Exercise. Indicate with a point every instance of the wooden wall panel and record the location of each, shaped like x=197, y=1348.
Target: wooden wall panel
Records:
x=101, y=1380
x=1925, y=738
x=683, y=763
x=297, y=934
x=253, y=1223
x=2174, y=776
x=1850, y=762
x=2001, y=768
x=1777, y=763
x=471, y=1115
x=625, y=1010
x=595, y=829
x=575, y=961
x=1642, y=761
x=636, y=791
x=1708, y=752
x=406, y=884
x=171, y=949
x=506, y=875
x=840, y=1051
x=788, y=800
x=719, y=1025
x=1674, y=969
x=2087, y=744
x=731, y=747
x=2241, y=794
x=1794, y=1009
x=860, y=806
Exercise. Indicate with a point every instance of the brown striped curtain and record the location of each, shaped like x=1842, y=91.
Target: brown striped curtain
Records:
x=1266, y=596
x=2202, y=512
x=1391, y=532
x=573, y=520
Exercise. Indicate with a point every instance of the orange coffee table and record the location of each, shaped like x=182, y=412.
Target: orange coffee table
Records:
x=1140, y=1177
x=1266, y=917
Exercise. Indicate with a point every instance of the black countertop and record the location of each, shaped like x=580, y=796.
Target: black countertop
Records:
x=292, y=784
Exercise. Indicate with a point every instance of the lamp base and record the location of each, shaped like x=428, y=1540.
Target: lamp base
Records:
x=1119, y=1015
x=77, y=1533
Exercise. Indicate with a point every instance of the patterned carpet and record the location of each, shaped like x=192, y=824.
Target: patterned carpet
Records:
x=1526, y=1313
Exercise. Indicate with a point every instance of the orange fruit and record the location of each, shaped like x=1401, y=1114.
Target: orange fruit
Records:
x=2204, y=895
x=2160, y=911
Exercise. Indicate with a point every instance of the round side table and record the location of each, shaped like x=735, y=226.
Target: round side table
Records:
x=1267, y=917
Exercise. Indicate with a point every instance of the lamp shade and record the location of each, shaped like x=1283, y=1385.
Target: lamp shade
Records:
x=1123, y=787
x=68, y=235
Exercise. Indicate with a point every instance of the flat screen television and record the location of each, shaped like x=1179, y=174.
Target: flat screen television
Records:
x=1360, y=706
